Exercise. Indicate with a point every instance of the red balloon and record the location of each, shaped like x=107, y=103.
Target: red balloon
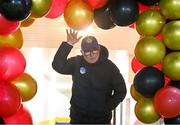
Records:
x=167, y=80
x=167, y=101
x=159, y=36
x=10, y=99
x=132, y=25
x=158, y=66
x=57, y=8
x=136, y=65
x=7, y=27
x=22, y=116
x=143, y=7
x=95, y=4
x=12, y=63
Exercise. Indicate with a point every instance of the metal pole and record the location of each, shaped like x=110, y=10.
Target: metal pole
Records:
x=114, y=117
x=121, y=113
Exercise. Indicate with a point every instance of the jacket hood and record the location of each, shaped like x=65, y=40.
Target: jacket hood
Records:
x=104, y=54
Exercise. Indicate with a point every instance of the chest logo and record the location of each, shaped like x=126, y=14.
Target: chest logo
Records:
x=82, y=70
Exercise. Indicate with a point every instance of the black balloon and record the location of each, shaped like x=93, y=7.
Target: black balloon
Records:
x=102, y=18
x=148, y=81
x=175, y=84
x=124, y=12
x=1, y=121
x=148, y=2
x=174, y=120
x=16, y=10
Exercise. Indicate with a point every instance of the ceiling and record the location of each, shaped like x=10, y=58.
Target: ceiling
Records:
x=49, y=33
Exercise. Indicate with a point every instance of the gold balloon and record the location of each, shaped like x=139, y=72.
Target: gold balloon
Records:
x=26, y=85
x=171, y=36
x=170, y=8
x=135, y=94
x=78, y=14
x=150, y=22
x=29, y=21
x=171, y=67
x=145, y=111
x=40, y=8
x=14, y=40
x=150, y=51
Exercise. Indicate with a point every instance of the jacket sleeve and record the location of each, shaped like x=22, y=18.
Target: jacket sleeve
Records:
x=119, y=89
x=60, y=62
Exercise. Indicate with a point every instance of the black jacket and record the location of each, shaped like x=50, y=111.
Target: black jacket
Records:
x=93, y=84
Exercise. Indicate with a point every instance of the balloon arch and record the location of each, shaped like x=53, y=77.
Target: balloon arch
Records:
x=156, y=63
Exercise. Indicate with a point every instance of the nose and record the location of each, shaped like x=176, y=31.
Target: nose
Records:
x=91, y=54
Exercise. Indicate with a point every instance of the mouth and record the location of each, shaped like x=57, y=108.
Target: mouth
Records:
x=91, y=58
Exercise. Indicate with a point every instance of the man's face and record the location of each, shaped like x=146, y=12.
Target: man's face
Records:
x=91, y=56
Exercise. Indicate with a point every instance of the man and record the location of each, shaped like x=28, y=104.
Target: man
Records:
x=98, y=86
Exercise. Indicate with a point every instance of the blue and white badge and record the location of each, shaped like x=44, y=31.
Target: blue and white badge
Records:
x=82, y=70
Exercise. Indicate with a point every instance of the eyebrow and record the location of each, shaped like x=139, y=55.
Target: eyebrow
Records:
x=95, y=49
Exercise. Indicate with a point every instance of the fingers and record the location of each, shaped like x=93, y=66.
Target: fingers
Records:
x=71, y=31
x=72, y=35
x=67, y=31
x=74, y=32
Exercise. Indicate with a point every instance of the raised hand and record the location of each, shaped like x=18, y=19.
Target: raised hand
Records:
x=72, y=36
